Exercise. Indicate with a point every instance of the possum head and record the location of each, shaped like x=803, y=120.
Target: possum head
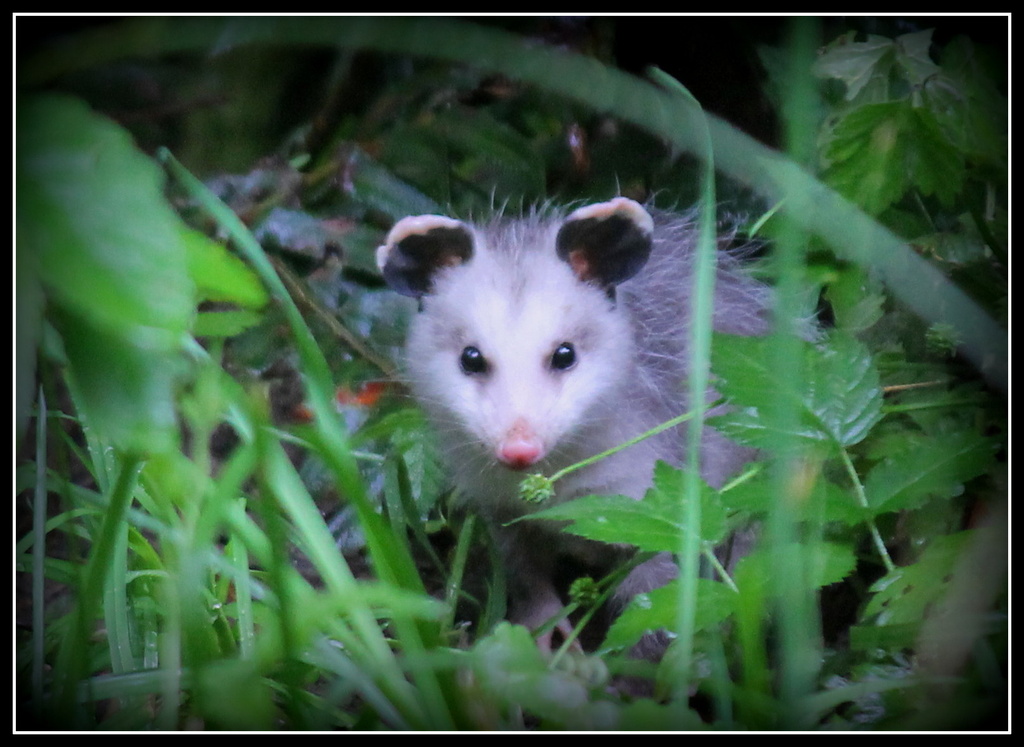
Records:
x=519, y=351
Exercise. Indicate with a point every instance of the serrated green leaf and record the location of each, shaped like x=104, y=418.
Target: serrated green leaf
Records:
x=931, y=467
x=867, y=155
x=758, y=496
x=845, y=396
x=658, y=610
x=831, y=563
x=859, y=65
x=935, y=164
x=650, y=524
x=913, y=56
x=880, y=151
x=840, y=404
x=741, y=367
x=903, y=596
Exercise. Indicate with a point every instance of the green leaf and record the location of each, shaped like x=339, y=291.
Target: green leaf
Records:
x=758, y=496
x=845, y=396
x=126, y=385
x=110, y=260
x=933, y=467
x=510, y=669
x=866, y=156
x=232, y=694
x=91, y=210
x=830, y=563
x=409, y=437
x=650, y=524
x=659, y=610
x=220, y=275
x=903, y=597
x=378, y=188
x=839, y=405
x=969, y=104
x=913, y=56
x=870, y=68
x=935, y=164
x=646, y=715
x=880, y=151
x=862, y=66
x=740, y=364
x=856, y=301
x=224, y=323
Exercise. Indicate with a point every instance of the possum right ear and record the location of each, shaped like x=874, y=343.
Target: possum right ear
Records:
x=417, y=247
x=606, y=243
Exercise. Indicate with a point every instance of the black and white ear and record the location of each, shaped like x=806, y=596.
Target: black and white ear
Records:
x=418, y=247
x=606, y=243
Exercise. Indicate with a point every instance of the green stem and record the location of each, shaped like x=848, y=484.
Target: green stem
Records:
x=671, y=423
x=709, y=553
x=967, y=402
x=862, y=501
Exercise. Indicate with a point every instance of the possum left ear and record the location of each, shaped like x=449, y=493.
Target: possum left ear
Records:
x=607, y=243
x=418, y=247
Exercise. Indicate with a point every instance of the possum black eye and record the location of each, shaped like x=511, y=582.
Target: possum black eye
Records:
x=564, y=357
x=472, y=361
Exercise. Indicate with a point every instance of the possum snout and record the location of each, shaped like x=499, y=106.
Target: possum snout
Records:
x=521, y=446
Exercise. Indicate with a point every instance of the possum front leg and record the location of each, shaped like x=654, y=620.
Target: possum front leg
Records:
x=538, y=606
x=529, y=564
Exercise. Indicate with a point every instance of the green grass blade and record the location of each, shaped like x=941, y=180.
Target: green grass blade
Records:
x=72, y=662
x=798, y=635
x=38, y=558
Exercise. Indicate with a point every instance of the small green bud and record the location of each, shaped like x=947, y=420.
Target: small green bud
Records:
x=942, y=338
x=584, y=591
x=536, y=489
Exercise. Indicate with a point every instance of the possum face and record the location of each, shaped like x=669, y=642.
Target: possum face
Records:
x=519, y=348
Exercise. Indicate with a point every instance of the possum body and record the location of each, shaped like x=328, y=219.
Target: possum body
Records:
x=546, y=339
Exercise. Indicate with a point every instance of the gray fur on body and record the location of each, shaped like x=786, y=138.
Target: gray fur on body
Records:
x=635, y=334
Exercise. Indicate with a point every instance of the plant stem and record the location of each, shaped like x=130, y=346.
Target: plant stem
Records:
x=671, y=423
x=862, y=501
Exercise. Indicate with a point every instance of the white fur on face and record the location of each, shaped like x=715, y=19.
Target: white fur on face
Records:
x=516, y=309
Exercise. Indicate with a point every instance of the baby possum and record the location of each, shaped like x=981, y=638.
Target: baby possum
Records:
x=544, y=340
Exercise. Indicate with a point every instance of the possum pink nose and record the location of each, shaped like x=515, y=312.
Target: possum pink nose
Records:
x=521, y=446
